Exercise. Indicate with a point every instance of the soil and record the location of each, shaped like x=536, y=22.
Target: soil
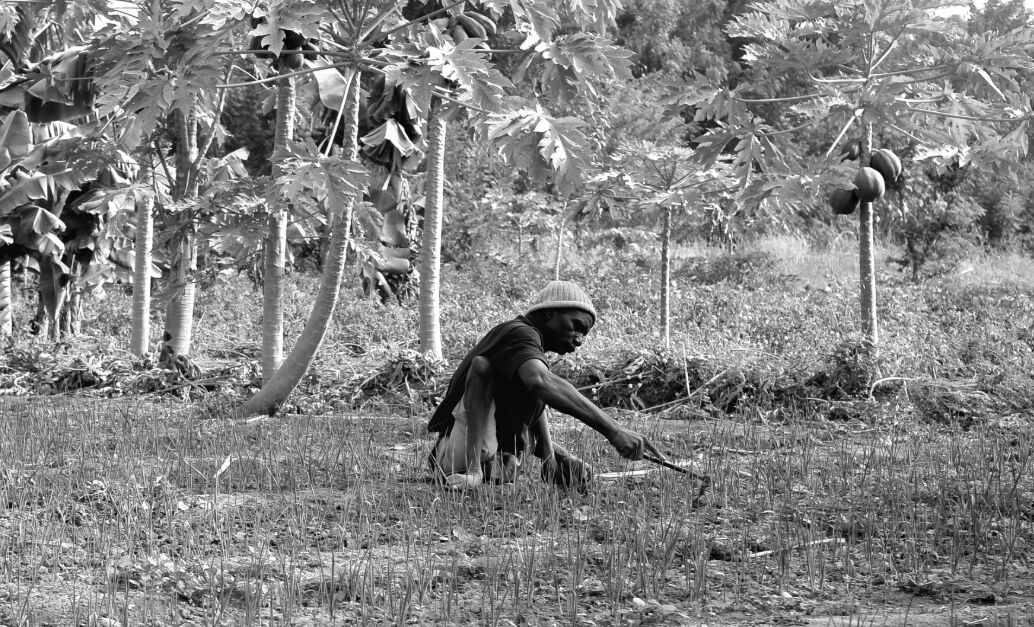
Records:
x=283, y=534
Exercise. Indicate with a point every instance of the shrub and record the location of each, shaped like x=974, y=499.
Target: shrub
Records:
x=748, y=269
x=938, y=232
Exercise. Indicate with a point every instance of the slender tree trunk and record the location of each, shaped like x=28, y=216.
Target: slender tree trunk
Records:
x=179, y=313
x=431, y=249
x=276, y=390
x=867, y=272
x=140, y=335
x=666, y=280
x=6, y=303
x=559, y=246
x=276, y=244
x=866, y=258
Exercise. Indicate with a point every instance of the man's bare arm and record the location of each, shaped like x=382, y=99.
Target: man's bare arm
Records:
x=559, y=394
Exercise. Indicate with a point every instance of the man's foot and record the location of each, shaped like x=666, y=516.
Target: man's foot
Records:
x=460, y=481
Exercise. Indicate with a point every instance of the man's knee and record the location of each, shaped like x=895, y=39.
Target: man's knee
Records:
x=480, y=371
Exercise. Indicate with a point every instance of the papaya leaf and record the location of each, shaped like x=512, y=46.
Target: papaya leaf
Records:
x=298, y=16
x=594, y=15
x=460, y=63
x=537, y=21
x=531, y=139
x=487, y=91
x=330, y=181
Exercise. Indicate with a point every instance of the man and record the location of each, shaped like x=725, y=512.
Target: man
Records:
x=494, y=407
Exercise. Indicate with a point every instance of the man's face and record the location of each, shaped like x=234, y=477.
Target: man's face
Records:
x=565, y=330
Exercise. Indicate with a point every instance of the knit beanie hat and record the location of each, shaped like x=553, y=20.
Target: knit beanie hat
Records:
x=563, y=295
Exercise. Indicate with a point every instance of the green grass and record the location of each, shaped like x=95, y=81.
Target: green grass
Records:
x=845, y=491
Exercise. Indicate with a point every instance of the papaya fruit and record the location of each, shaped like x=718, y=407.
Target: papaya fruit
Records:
x=472, y=27
x=869, y=185
x=852, y=150
x=887, y=164
x=256, y=44
x=485, y=21
x=458, y=34
x=843, y=201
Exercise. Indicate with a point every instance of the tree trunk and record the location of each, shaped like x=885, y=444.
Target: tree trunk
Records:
x=866, y=258
x=559, y=247
x=279, y=387
x=867, y=272
x=179, y=313
x=6, y=303
x=666, y=280
x=139, y=338
x=276, y=243
x=431, y=249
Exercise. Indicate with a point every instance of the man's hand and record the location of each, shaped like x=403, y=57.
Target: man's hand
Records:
x=632, y=445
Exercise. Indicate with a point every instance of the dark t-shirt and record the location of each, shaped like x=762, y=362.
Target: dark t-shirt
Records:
x=506, y=347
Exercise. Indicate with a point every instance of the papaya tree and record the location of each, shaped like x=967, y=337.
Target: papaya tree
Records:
x=408, y=52
x=276, y=29
x=171, y=108
x=866, y=69
x=140, y=331
x=661, y=183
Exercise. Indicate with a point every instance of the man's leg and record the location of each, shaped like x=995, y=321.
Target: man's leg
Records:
x=472, y=440
x=478, y=398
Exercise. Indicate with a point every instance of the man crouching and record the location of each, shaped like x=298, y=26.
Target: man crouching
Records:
x=495, y=406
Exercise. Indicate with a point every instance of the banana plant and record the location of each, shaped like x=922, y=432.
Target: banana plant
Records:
x=387, y=219
x=391, y=142
x=50, y=171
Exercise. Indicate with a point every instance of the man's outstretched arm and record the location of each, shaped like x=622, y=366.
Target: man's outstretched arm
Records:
x=559, y=394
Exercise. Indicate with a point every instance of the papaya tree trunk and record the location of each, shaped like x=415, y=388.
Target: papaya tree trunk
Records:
x=276, y=242
x=666, y=280
x=866, y=257
x=867, y=272
x=559, y=247
x=431, y=250
x=139, y=338
x=279, y=387
x=6, y=303
x=179, y=313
